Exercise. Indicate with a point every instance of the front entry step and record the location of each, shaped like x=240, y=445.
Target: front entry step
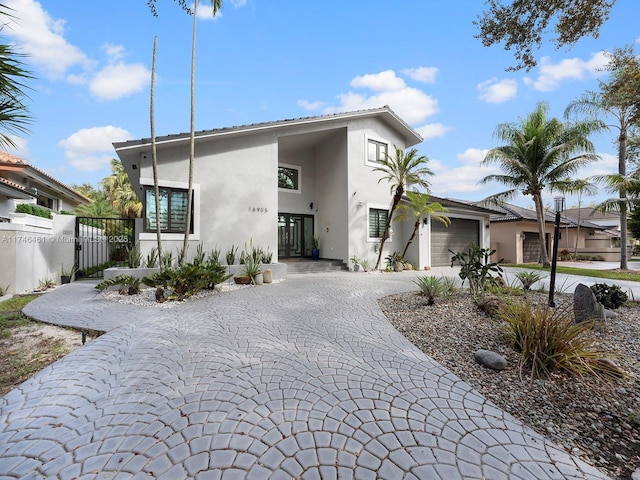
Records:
x=309, y=266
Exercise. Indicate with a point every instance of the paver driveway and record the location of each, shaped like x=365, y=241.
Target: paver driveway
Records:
x=305, y=378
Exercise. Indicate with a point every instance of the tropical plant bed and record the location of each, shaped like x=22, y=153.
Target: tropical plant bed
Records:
x=595, y=420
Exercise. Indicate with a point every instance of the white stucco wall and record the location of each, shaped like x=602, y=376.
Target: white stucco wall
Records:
x=235, y=193
x=35, y=250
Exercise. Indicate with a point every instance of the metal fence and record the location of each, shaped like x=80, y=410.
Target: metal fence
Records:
x=102, y=243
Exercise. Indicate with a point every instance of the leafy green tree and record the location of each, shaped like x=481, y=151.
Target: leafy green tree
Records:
x=634, y=222
x=100, y=207
x=402, y=171
x=521, y=24
x=417, y=208
x=120, y=193
x=14, y=114
x=618, y=102
x=539, y=152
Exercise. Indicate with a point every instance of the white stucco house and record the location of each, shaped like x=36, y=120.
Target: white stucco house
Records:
x=278, y=184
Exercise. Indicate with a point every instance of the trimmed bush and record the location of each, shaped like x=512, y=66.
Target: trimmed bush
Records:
x=33, y=210
x=431, y=287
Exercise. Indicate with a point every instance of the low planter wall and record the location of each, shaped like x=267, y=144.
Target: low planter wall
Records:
x=133, y=272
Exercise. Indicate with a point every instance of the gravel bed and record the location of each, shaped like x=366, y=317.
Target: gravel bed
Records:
x=594, y=420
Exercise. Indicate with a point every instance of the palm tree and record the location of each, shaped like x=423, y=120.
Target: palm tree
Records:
x=216, y=5
x=154, y=152
x=418, y=207
x=403, y=171
x=619, y=100
x=100, y=207
x=14, y=114
x=539, y=152
x=580, y=186
x=117, y=187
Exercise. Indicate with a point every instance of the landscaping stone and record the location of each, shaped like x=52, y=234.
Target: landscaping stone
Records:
x=490, y=359
x=585, y=306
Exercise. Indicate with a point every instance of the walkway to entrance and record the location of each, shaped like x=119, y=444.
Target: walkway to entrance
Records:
x=301, y=379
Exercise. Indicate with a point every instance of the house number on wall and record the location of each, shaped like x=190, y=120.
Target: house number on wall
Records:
x=258, y=209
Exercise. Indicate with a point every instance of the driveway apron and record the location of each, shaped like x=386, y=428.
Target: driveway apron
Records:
x=300, y=379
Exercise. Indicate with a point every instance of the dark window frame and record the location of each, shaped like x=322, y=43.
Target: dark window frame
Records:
x=375, y=215
x=296, y=186
x=169, y=190
x=382, y=150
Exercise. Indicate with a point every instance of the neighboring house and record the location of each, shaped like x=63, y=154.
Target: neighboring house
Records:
x=515, y=237
x=33, y=248
x=278, y=184
x=610, y=221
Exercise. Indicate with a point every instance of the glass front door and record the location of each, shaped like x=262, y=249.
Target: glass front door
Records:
x=295, y=235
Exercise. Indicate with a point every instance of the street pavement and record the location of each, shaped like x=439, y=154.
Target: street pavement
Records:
x=304, y=378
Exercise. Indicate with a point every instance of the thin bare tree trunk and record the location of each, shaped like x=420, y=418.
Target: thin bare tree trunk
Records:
x=396, y=200
x=622, y=170
x=413, y=235
x=544, y=257
x=154, y=156
x=192, y=141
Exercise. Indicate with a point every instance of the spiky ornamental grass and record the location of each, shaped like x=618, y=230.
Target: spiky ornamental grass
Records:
x=549, y=341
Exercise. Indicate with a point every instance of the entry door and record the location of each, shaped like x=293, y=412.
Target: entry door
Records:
x=295, y=234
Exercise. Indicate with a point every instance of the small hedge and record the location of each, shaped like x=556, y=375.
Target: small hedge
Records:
x=33, y=210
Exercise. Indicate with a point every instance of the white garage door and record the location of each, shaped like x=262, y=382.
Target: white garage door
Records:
x=458, y=236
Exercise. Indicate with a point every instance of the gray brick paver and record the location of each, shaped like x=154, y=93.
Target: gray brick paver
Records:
x=304, y=378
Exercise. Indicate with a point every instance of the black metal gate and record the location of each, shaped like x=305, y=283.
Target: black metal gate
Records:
x=102, y=243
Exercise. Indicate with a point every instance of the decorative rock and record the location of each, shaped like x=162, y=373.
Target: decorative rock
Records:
x=585, y=306
x=490, y=359
x=636, y=475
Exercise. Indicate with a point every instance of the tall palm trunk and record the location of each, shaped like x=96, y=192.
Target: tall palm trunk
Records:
x=192, y=135
x=622, y=170
x=544, y=257
x=396, y=200
x=154, y=155
x=413, y=235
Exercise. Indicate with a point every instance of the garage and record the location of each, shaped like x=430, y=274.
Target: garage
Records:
x=458, y=236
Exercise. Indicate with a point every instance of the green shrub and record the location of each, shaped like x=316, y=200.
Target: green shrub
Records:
x=130, y=285
x=611, y=296
x=549, y=340
x=476, y=266
x=31, y=209
x=152, y=258
x=188, y=279
x=231, y=254
x=395, y=261
x=528, y=278
x=431, y=287
x=134, y=256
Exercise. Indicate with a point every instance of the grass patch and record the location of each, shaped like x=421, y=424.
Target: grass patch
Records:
x=631, y=276
x=17, y=303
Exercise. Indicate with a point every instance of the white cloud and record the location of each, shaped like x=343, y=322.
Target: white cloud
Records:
x=463, y=180
x=310, y=105
x=551, y=75
x=91, y=149
x=379, y=82
x=119, y=80
x=432, y=130
x=413, y=105
x=238, y=3
x=422, y=74
x=498, y=91
x=41, y=38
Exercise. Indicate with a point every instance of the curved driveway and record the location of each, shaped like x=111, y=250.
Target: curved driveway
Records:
x=301, y=379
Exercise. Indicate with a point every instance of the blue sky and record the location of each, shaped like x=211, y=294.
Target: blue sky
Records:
x=263, y=60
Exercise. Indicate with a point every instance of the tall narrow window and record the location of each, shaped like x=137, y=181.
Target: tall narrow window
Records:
x=173, y=210
x=376, y=151
x=377, y=222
